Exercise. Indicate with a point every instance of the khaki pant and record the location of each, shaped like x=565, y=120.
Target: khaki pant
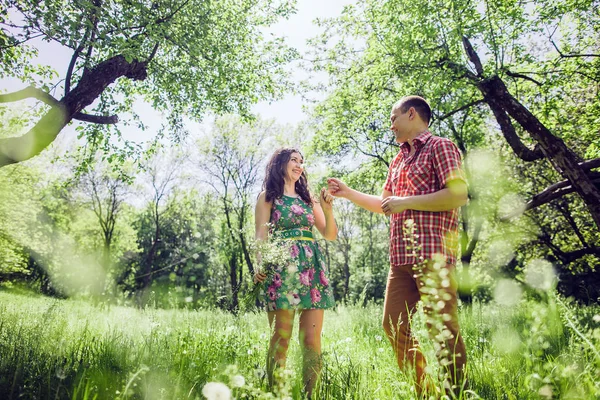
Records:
x=436, y=286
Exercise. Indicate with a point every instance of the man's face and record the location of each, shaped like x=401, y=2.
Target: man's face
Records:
x=399, y=123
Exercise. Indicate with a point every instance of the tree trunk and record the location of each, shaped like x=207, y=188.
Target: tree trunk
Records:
x=91, y=85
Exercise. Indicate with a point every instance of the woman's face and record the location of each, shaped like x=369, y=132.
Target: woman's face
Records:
x=294, y=167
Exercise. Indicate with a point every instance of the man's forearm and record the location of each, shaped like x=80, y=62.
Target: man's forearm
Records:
x=367, y=201
x=442, y=200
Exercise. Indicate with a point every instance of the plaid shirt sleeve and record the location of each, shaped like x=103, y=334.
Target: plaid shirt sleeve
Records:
x=447, y=162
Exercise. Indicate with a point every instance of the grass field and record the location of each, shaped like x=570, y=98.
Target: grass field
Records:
x=67, y=349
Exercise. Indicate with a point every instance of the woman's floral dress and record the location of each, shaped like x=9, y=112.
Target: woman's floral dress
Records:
x=302, y=283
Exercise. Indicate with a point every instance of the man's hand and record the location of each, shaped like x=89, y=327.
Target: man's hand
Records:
x=259, y=277
x=394, y=205
x=337, y=188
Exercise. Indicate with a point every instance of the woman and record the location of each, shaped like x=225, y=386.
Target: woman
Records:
x=286, y=210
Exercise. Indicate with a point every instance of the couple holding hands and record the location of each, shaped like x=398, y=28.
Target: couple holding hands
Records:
x=424, y=189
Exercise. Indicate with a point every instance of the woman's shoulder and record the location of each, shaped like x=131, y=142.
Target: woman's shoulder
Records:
x=262, y=199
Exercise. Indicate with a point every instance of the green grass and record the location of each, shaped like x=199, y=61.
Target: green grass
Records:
x=66, y=349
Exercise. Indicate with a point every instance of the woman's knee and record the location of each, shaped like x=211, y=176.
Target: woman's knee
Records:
x=311, y=340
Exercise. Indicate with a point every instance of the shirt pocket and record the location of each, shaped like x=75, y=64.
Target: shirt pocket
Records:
x=420, y=178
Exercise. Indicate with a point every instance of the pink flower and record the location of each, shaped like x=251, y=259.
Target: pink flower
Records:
x=276, y=215
x=272, y=292
x=296, y=209
x=310, y=218
x=311, y=274
x=278, y=202
x=304, y=278
x=294, y=251
x=323, y=278
x=277, y=280
x=315, y=295
x=308, y=251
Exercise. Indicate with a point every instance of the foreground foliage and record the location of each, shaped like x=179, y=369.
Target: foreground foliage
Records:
x=544, y=348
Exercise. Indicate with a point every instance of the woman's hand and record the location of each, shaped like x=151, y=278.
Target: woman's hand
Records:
x=326, y=200
x=259, y=277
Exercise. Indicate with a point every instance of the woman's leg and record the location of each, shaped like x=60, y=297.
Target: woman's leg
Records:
x=311, y=325
x=281, y=323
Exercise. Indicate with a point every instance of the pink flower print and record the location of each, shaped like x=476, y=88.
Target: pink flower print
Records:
x=277, y=280
x=272, y=292
x=308, y=251
x=310, y=218
x=311, y=274
x=323, y=279
x=315, y=295
x=294, y=251
x=278, y=202
x=276, y=215
x=296, y=209
x=304, y=278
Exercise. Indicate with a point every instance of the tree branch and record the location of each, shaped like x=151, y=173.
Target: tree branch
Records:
x=465, y=107
x=33, y=92
x=552, y=192
x=521, y=76
x=92, y=84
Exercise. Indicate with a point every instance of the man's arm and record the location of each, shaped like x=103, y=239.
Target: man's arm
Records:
x=367, y=201
x=447, y=166
x=454, y=195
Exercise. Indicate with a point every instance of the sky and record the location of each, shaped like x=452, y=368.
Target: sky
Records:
x=297, y=30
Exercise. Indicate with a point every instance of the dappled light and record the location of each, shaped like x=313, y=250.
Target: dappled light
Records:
x=293, y=200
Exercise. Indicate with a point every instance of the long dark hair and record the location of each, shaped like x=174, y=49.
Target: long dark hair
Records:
x=275, y=176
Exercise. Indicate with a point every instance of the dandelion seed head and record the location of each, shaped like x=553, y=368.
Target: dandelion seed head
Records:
x=237, y=381
x=507, y=292
x=539, y=274
x=216, y=391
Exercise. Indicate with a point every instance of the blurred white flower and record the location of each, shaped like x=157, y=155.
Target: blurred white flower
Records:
x=539, y=274
x=378, y=338
x=507, y=292
x=237, y=381
x=596, y=318
x=216, y=391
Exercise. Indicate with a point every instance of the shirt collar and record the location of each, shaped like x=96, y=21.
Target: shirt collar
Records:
x=419, y=141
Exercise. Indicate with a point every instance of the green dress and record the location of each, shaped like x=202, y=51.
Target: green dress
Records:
x=302, y=283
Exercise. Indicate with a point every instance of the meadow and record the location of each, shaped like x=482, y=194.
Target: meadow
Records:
x=541, y=347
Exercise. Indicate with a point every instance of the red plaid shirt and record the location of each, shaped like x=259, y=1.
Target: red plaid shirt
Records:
x=435, y=162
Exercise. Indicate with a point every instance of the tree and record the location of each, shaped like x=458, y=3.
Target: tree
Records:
x=231, y=159
x=105, y=191
x=183, y=262
x=532, y=70
x=163, y=172
x=183, y=57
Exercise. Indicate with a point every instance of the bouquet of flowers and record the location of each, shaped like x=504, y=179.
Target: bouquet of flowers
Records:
x=271, y=255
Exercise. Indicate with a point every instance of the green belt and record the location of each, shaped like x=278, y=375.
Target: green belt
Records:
x=295, y=234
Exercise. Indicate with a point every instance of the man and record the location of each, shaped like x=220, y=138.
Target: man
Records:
x=424, y=189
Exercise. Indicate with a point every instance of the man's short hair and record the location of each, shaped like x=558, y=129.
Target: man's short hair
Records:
x=419, y=104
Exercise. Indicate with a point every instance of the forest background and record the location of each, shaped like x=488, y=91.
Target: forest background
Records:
x=134, y=137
